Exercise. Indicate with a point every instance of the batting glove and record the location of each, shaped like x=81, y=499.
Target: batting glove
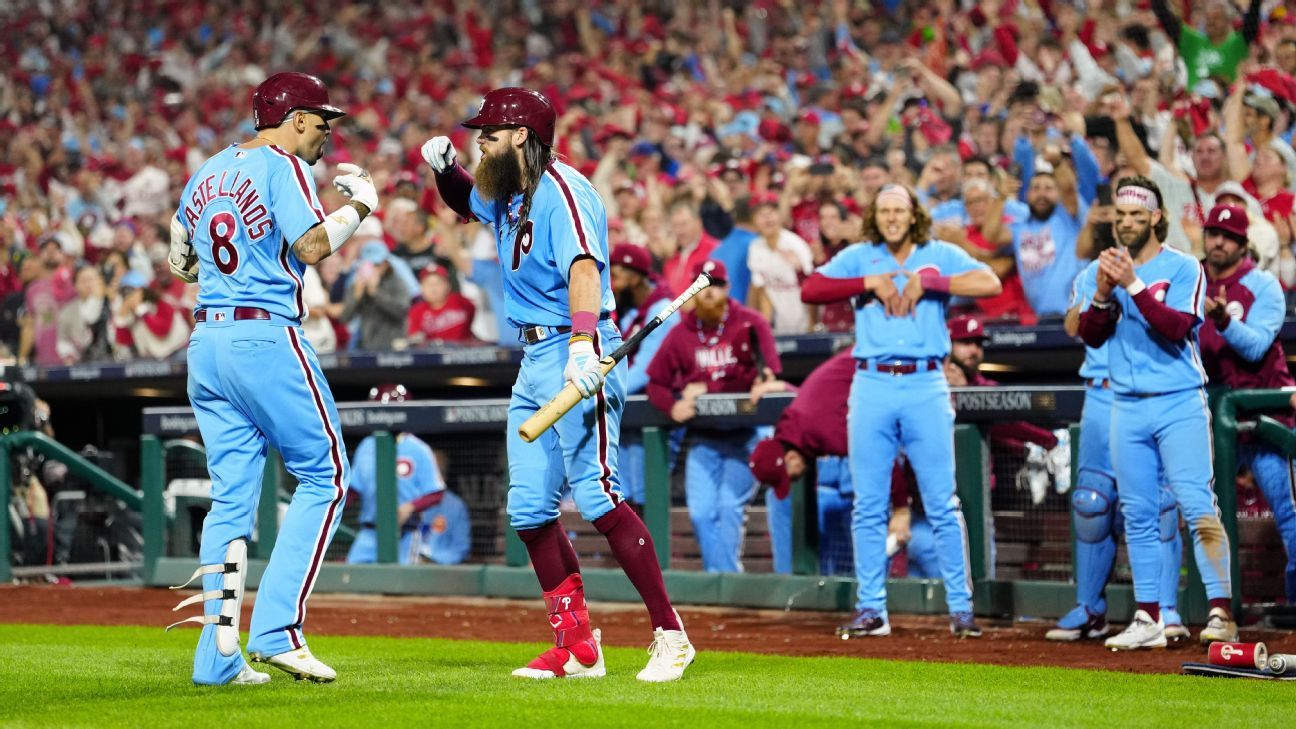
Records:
x=439, y=153
x=356, y=184
x=182, y=257
x=583, y=369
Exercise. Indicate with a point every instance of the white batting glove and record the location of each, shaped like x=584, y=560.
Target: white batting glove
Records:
x=440, y=154
x=356, y=184
x=182, y=257
x=583, y=369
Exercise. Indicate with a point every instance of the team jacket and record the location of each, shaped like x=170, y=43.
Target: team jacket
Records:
x=1247, y=353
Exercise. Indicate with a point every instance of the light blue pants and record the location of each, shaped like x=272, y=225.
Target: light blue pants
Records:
x=1168, y=437
x=718, y=485
x=364, y=550
x=252, y=384
x=912, y=412
x=631, y=462
x=1274, y=475
x=581, y=449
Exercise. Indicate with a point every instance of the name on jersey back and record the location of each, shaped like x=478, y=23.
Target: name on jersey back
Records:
x=256, y=218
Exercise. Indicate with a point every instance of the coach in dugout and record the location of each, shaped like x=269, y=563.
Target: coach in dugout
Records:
x=717, y=347
x=1240, y=348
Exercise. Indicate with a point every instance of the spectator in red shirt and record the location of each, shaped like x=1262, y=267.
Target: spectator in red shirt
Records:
x=692, y=245
x=441, y=315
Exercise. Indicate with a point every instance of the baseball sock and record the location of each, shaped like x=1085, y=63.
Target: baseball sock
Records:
x=1153, y=609
x=552, y=556
x=633, y=548
x=1223, y=603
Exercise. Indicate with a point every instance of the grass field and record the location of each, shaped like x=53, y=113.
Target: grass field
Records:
x=107, y=677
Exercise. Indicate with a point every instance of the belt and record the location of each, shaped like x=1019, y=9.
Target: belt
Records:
x=899, y=366
x=1102, y=382
x=241, y=313
x=532, y=333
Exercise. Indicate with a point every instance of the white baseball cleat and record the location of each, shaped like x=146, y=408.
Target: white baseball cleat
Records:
x=1143, y=632
x=299, y=663
x=1219, y=626
x=670, y=653
x=563, y=663
x=248, y=676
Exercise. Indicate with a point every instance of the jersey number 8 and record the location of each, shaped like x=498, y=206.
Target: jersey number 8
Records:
x=221, y=229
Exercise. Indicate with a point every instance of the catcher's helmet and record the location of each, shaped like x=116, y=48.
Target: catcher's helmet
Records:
x=389, y=392
x=284, y=92
x=513, y=106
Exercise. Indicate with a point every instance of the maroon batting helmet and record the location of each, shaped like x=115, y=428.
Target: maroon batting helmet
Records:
x=389, y=392
x=284, y=92
x=512, y=106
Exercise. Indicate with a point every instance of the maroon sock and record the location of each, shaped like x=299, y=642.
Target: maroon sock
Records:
x=633, y=548
x=552, y=556
x=1224, y=603
x=1153, y=609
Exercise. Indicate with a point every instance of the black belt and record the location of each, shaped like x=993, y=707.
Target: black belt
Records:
x=241, y=313
x=899, y=367
x=532, y=333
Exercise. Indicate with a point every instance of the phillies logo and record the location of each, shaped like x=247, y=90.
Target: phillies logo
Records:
x=404, y=467
x=522, y=243
x=1227, y=651
x=1159, y=289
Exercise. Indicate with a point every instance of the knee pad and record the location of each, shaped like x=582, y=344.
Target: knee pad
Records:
x=234, y=572
x=1092, y=514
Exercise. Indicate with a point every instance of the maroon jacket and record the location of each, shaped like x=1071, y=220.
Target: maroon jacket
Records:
x=721, y=357
x=1224, y=366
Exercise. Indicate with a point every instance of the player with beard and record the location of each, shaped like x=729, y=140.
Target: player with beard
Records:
x=638, y=299
x=1149, y=300
x=551, y=233
x=1045, y=242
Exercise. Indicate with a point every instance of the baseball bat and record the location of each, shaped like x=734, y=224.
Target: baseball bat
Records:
x=567, y=397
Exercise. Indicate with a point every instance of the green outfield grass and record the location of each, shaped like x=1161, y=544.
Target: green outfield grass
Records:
x=105, y=677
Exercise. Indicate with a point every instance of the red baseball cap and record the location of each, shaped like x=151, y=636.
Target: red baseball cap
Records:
x=715, y=268
x=1229, y=219
x=767, y=465
x=966, y=328
x=433, y=269
x=633, y=257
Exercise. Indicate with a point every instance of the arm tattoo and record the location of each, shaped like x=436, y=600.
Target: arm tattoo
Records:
x=313, y=246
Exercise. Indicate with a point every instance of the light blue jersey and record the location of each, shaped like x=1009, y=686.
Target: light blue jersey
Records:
x=1140, y=360
x=1082, y=292
x=1046, y=260
x=243, y=209
x=567, y=220
x=416, y=473
x=920, y=335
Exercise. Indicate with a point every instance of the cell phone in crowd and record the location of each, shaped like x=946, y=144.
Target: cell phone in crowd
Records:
x=1104, y=196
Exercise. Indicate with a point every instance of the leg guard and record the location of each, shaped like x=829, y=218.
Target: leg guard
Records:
x=222, y=600
x=1093, y=514
x=577, y=651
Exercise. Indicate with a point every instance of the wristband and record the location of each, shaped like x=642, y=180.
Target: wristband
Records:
x=340, y=225
x=580, y=338
x=933, y=281
x=1136, y=286
x=1104, y=305
x=584, y=322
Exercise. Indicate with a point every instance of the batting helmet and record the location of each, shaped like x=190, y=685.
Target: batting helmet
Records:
x=389, y=392
x=512, y=106
x=284, y=92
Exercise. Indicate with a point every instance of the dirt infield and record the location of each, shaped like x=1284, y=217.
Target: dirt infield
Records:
x=801, y=633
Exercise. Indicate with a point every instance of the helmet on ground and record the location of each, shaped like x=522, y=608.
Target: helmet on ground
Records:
x=512, y=106
x=389, y=392
x=283, y=92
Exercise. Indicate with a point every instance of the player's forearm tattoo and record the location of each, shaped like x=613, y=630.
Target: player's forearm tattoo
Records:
x=313, y=246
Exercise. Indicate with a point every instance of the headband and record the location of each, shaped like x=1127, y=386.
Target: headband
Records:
x=894, y=193
x=1140, y=196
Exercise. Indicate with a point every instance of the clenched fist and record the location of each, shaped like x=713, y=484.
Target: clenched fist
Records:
x=355, y=183
x=440, y=154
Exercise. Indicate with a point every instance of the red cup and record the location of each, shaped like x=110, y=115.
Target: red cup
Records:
x=1239, y=655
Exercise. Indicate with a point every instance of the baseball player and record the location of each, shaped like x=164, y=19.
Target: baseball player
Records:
x=711, y=350
x=899, y=396
x=1240, y=348
x=639, y=298
x=248, y=225
x=1149, y=300
x=1095, y=508
x=551, y=232
x=419, y=487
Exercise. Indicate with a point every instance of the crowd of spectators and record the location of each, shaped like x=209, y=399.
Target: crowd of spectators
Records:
x=753, y=133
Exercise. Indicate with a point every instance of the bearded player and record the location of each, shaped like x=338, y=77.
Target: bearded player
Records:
x=551, y=232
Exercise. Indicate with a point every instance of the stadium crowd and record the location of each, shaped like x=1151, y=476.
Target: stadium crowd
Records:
x=753, y=133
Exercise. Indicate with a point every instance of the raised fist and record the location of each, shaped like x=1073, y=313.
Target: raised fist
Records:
x=355, y=183
x=439, y=153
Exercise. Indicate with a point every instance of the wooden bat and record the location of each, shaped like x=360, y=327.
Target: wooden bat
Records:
x=567, y=397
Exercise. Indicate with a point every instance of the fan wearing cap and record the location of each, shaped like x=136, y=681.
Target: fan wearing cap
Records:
x=639, y=298
x=440, y=315
x=711, y=351
x=779, y=261
x=1240, y=348
x=378, y=297
x=1149, y=302
x=899, y=396
x=421, y=497
x=1260, y=113
x=551, y=231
